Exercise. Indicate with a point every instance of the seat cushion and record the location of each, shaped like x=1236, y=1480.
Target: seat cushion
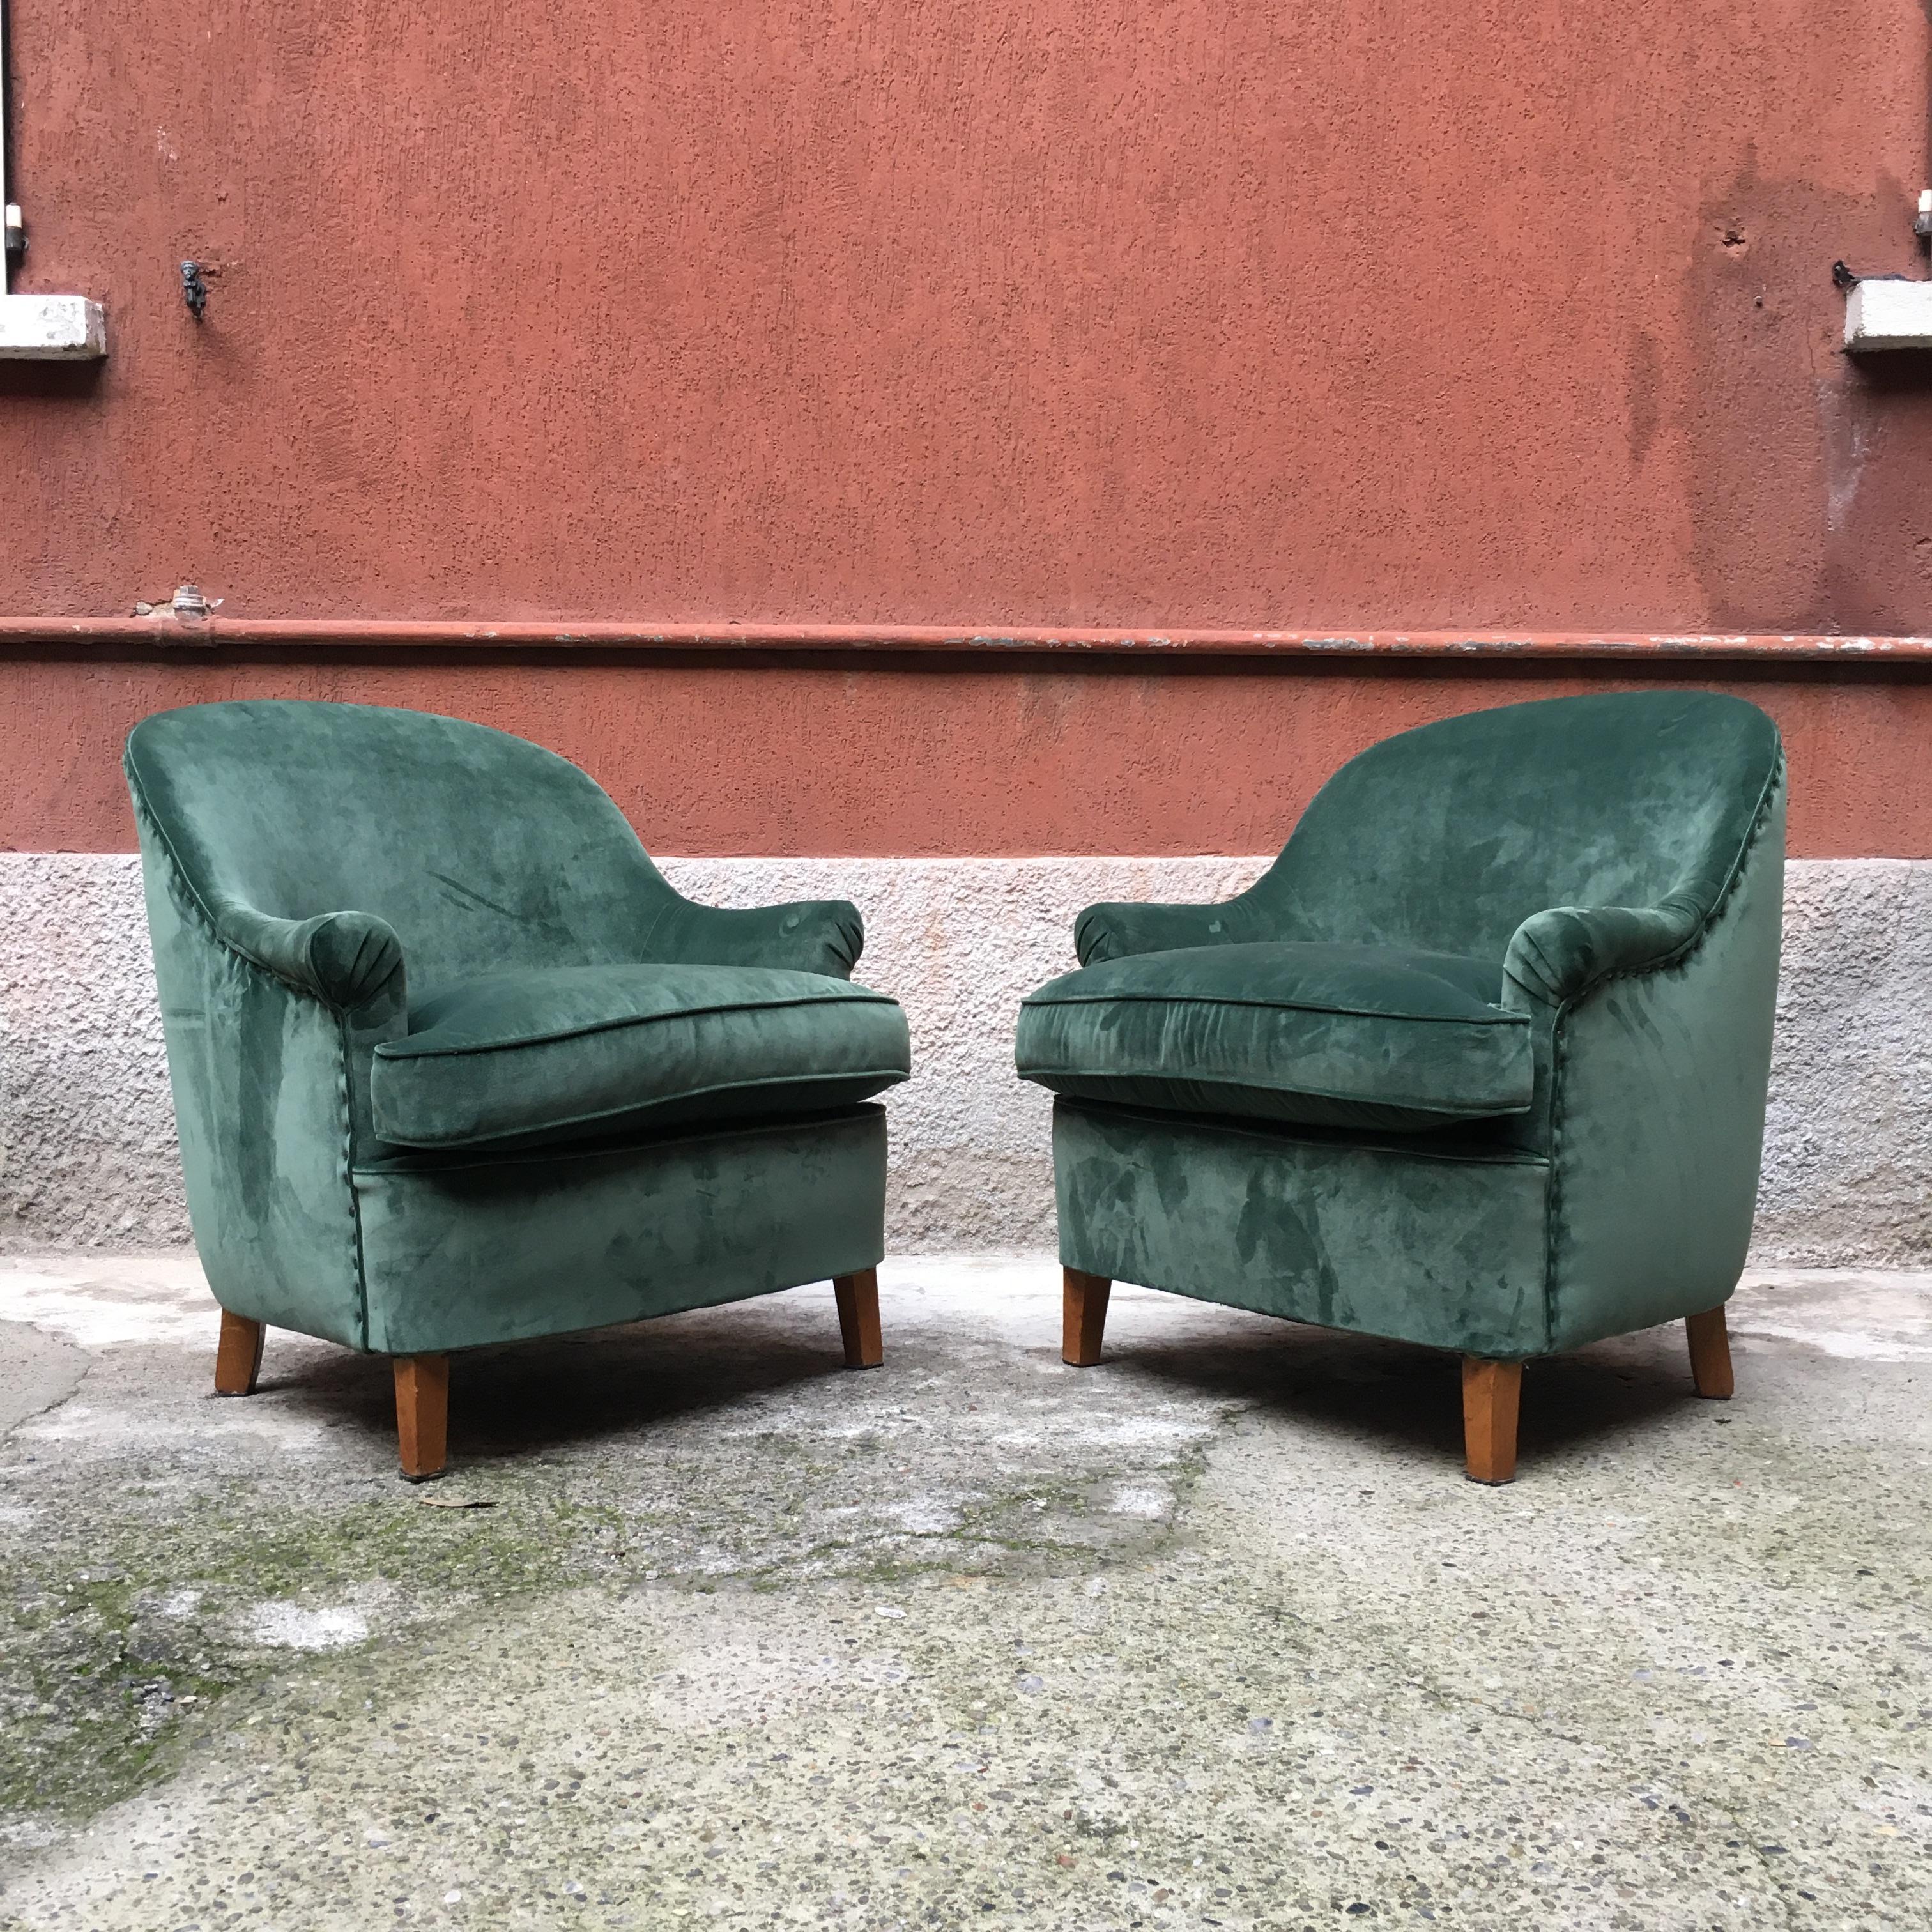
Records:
x=569, y=1052
x=1327, y=1036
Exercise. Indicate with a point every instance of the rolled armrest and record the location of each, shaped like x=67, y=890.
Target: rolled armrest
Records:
x=1103, y=932
x=806, y=936
x=342, y=958
x=1556, y=956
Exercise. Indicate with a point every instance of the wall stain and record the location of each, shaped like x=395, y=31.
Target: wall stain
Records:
x=1809, y=473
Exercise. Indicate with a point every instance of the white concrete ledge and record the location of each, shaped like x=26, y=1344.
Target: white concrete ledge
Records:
x=87, y=1145
x=52, y=328
x=1887, y=312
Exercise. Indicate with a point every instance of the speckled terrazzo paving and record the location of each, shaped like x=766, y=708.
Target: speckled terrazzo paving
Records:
x=1213, y=1635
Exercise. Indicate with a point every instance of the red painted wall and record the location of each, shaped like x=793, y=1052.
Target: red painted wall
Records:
x=1177, y=312
x=787, y=758
x=1206, y=312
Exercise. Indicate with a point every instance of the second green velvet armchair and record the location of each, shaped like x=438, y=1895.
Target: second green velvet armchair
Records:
x=453, y=1063
x=1480, y=1062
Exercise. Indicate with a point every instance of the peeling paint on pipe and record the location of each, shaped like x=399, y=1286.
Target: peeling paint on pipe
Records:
x=165, y=631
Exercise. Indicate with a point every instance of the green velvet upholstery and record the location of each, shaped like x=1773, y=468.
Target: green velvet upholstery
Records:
x=1443, y=1246
x=454, y=1063
x=528, y=1244
x=1621, y=858
x=1329, y=1036
x=594, y=1049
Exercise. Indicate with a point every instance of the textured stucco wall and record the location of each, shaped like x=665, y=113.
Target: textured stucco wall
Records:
x=1052, y=311
x=1848, y=1155
x=89, y=1158
x=87, y=1131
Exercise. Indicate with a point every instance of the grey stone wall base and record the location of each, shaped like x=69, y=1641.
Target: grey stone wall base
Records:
x=1848, y=1143
x=87, y=1124
x=88, y=1158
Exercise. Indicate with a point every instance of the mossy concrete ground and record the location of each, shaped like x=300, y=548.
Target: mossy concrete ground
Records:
x=1213, y=1635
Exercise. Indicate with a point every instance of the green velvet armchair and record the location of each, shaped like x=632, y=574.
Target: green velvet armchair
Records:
x=1480, y=1062
x=453, y=1063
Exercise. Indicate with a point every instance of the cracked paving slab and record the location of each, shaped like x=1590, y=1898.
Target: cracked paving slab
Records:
x=1213, y=1635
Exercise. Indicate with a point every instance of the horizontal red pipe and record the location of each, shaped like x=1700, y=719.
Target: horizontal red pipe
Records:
x=165, y=631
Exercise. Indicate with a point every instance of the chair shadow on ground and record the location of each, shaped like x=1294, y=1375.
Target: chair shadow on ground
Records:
x=1399, y=1395
x=520, y=1399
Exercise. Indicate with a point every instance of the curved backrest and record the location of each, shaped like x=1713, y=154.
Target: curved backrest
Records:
x=1450, y=836
x=484, y=851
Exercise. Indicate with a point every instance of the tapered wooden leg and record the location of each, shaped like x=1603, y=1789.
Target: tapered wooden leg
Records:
x=1491, y=1394
x=422, y=1413
x=238, y=1356
x=1083, y=1311
x=1711, y=1354
x=858, y=1296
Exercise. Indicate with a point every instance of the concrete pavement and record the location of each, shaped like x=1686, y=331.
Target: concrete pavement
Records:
x=704, y=1630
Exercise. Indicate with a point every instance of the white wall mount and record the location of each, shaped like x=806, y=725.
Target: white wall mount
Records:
x=35, y=327
x=52, y=328
x=1890, y=311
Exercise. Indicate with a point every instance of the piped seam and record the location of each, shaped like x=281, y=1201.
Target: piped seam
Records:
x=888, y=1077
x=1773, y=791
x=399, y=1048
x=192, y=899
x=1039, y=1075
